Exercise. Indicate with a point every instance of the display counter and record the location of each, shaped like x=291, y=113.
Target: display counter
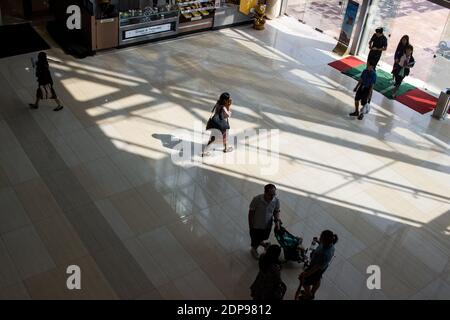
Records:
x=228, y=13
x=117, y=23
x=137, y=25
x=195, y=15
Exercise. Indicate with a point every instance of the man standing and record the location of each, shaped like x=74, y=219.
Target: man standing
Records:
x=264, y=209
x=364, y=90
x=377, y=44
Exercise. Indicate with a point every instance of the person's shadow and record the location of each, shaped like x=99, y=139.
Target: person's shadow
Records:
x=167, y=140
x=180, y=146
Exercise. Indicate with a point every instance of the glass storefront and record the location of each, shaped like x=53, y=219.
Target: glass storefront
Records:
x=324, y=15
x=426, y=24
x=438, y=77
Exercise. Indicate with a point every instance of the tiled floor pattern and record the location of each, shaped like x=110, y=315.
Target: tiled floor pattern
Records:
x=99, y=185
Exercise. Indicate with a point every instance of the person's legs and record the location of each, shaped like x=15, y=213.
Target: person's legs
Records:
x=59, y=105
x=364, y=99
x=211, y=140
x=225, y=140
x=55, y=97
x=357, y=107
x=311, y=284
x=35, y=105
x=357, y=99
x=265, y=234
x=307, y=291
x=398, y=82
x=374, y=61
x=373, y=58
x=314, y=289
x=255, y=236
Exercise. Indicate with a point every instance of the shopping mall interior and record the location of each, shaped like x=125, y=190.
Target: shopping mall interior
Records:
x=115, y=183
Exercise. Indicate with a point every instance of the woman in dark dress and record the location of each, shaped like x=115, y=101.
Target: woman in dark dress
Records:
x=268, y=284
x=223, y=110
x=45, y=83
x=402, y=68
x=403, y=43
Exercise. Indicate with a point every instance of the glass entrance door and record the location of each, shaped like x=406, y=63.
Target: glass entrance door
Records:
x=438, y=78
x=424, y=22
x=324, y=15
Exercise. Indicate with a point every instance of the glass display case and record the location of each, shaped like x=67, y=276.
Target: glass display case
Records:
x=228, y=13
x=147, y=19
x=195, y=14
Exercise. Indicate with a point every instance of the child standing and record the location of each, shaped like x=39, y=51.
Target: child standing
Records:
x=364, y=89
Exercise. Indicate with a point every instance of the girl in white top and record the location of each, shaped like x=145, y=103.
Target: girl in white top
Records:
x=223, y=106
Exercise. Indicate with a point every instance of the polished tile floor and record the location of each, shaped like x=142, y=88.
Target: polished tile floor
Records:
x=99, y=184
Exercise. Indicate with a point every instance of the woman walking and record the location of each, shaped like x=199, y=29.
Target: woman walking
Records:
x=402, y=68
x=219, y=121
x=45, y=83
x=401, y=47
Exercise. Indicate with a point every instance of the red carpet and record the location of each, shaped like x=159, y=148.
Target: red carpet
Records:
x=346, y=63
x=418, y=100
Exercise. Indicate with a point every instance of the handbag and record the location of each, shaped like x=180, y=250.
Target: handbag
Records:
x=210, y=124
x=47, y=91
x=216, y=121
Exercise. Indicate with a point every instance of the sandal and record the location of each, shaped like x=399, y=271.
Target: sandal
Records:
x=229, y=149
x=32, y=106
x=206, y=154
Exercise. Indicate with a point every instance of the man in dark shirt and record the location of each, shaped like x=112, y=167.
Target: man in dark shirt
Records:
x=377, y=44
x=364, y=89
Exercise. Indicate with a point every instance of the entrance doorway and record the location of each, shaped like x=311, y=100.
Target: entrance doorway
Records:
x=323, y=15
x=427, y=25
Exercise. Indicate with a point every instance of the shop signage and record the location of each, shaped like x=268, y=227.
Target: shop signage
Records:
x=349, y=22
x=107, y=20
x=146, y=31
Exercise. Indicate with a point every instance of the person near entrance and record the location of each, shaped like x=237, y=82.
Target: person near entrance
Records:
x=402, y=68
x=364, y=89
x=377, y=44
x=264, y=209
x=400, y=51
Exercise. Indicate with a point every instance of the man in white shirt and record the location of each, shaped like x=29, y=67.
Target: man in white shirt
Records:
x=264, y=208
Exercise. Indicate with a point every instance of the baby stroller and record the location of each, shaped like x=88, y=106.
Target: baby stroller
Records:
x=292, y=245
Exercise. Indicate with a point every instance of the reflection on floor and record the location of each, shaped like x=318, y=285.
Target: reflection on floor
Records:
x=99, y=184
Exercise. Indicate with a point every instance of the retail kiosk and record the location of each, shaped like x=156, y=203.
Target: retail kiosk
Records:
x=118, y=23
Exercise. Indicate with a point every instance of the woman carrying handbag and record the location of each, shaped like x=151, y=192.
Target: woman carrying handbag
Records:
x=219, y=121
x=45, y=83
x=403, y=68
